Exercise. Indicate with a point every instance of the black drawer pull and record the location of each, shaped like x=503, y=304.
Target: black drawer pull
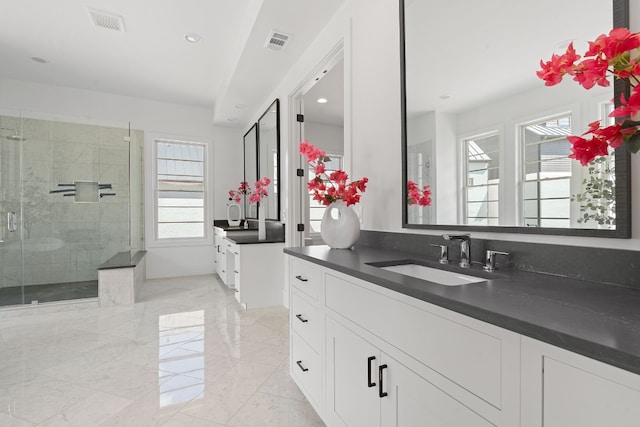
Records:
x=302, y=279
x=369, y=382
x=380, y=392
x=301, y=366
x=300, y=318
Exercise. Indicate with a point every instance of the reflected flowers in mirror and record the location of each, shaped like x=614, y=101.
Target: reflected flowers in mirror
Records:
x=415, y=196
x=255, y=195
x=615, y=54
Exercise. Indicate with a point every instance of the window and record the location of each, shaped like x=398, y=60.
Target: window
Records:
x=180, y=195
x=547, y=172
x=316, y=209
x=482, y=178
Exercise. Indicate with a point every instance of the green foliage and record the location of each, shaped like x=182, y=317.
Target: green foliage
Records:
x=597, y=201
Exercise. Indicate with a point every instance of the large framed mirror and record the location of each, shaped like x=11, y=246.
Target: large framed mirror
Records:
x=250, y=141
x=269, y=158
x=488, y=137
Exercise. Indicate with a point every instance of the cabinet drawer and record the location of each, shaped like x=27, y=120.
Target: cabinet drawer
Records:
x=464, y=355
x=305, y=320
x=305, y=369
x=306, y=277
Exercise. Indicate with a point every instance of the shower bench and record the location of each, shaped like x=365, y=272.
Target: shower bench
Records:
x=120, y=279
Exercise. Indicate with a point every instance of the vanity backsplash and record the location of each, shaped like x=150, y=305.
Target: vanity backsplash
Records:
x=614, y=266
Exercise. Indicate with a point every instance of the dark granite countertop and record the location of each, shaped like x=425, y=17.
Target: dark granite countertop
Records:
x=123, y=260
x=251, y=239
x=600, y=321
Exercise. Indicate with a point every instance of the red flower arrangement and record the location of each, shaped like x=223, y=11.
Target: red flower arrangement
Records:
x=328, y=188
x=608, y=54
x=415, y=196
x=254, y=195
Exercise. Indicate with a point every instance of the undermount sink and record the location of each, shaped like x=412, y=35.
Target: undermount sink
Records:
x=442, y=277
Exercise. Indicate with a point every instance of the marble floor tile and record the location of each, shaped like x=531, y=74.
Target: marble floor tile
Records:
x=186, y=354
x=274, y=411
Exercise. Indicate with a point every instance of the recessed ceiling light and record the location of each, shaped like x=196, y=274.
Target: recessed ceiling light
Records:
x=193, y=38
x=322, y=100
x=39, y=60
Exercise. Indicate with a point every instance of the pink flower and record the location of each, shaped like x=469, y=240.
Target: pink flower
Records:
x=327, y=188
x=255, y=196
x=585, y=150
x=414, y=195
x=608, y=55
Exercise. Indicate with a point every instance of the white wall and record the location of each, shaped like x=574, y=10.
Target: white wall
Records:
x=370, y=30
x=330, y=138
x=153, y=117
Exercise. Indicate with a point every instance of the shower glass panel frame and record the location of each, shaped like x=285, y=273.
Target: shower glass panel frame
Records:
x=64, y=232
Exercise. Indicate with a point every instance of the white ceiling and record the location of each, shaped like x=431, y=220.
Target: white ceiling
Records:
x=493, y=49
x=151, y=59
x=330, y=87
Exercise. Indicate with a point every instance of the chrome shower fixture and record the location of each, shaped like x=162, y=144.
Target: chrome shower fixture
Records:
x=15, y=137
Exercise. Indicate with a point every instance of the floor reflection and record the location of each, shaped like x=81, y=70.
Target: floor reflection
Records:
x=181, y=357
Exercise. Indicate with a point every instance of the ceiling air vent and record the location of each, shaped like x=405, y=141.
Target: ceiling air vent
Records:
x=277, y=40
x=107, y=20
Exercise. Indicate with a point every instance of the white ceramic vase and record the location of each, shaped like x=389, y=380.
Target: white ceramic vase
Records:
x=340, y=227
x=234, y=214
x=262, y=228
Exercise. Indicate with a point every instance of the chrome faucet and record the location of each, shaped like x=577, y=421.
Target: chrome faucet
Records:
x=490, y=260
x=465, y=247
x=444, y=254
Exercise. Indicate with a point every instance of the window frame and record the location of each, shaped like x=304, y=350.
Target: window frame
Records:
x=152, y=194
x=522, y=147
x=464, y=215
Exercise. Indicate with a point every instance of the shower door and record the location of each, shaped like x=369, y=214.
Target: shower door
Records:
x=11, y=246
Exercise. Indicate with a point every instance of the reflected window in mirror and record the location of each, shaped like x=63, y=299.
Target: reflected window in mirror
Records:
x=482, y=166
x=527, y=184
x=269, y=158
x=250, y=142
x=547, y=172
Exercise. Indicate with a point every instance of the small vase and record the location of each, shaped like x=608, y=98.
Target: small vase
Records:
x=262, y=227
x=341, y=232
x=234, y=214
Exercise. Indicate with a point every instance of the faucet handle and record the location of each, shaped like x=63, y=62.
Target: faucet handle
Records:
x=444, y=253
x=490, y=260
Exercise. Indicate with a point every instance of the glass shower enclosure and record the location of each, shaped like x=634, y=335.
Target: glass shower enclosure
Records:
x=70, y=199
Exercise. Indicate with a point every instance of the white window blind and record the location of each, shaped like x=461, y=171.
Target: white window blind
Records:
x=180, y=195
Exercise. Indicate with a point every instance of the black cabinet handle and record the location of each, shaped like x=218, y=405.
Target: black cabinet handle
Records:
x=380, y=392
x=300, y=318
x=299, y=363
x=302, y=279
x=369, y=382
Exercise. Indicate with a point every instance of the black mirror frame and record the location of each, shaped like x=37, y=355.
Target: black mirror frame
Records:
x=246, y=203
x=276, y=102
x=622, y=161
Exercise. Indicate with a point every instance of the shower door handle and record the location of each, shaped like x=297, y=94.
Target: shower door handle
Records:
x=12, y=222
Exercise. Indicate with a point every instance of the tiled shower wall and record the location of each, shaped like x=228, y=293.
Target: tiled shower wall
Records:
x=65, y=241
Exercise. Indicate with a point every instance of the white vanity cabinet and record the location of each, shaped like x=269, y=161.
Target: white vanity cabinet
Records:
x=391, y=360
x=370, y=356
x=257, y=270
x=409, y=363
x=307, y=330
x=563, y=389
x=222, y=266
x=386, y=393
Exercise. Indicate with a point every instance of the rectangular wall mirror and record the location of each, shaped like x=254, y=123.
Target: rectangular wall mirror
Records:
x=269, y=158
x=251, y=167
x=485, y=133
